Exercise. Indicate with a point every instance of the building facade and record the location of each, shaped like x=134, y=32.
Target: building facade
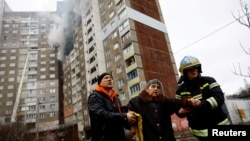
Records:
x=127, y=38
x=29, y=74
x=124, y=37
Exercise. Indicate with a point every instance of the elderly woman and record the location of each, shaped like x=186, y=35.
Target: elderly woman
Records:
x=155, y=111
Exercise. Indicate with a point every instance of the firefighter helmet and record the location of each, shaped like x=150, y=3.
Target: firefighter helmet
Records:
x=189, y=62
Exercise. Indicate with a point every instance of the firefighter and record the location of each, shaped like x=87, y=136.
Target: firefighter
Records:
x=201, y=99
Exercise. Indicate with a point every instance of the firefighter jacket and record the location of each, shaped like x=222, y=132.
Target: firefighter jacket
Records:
x=212, y=110
x=156, y=116
x=107, y=121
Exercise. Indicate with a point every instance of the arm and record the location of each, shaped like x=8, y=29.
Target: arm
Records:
x=97, y=106
x=213, y=95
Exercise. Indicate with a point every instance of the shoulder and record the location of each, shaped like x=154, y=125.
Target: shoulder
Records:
x=94, y=95
x=180, y=87
x=136, y=98
x=208, y=79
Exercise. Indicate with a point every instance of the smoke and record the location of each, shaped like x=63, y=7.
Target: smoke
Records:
x=62, y=33
x=57, y=35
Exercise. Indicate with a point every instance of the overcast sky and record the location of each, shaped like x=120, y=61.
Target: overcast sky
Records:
x=201, y=28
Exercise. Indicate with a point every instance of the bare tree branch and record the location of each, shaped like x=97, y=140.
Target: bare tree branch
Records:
x=244, y=19
x=245, y=50
x=246, y=14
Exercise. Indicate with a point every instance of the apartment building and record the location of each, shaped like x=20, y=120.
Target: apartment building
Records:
x=127, y=38
x=29, y=74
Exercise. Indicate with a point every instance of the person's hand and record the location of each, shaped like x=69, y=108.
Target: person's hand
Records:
x=132, y=119
x=185, y=111
x=194, y=102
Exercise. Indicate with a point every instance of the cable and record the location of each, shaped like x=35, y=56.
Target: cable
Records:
x=206, y=36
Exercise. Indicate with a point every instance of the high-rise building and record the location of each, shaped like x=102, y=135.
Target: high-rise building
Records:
x=127, y=38
x=29, y=74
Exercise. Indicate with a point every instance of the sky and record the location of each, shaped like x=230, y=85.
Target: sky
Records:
x=200, y=28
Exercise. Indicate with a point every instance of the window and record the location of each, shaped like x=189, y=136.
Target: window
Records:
x=2, y=65
x=130, y=61
x=114, y=35
x=30, y=116
x=105, y=42
x=42, y=84
x=8, y=112
x=42, y=76
x=111, y=14
x=119, y=69
x=8, y=103
x=2, y=72
x=127, y=49
x=42, y=92
x=11, y=79
x=42, y=107
x=10, y=95
x=3, y=51
x=42, y=69
x=110, y=4
x=52, y=55
x=10, y=87
x=123, y=25
x=52, y=62
x=52, y=76
x=117, y=57
x=6, y=25
x=2, y=58
x=52, y=98
x=32, y=108
x=31, y=84
x=52, y=106
x=43, y=62
x=12, y=57
x=12, y=72
x=108, y=63
x=52, y=114
x=120, y=83
x=126, y=36
x=51, y=83
x=122, y=96
x=107, y=52
x=122, y=14
x=132, y=74
x=42, y=115
x=52, y=90
x=13, y=50
x=52, y=68
x=12, y=64
x=134, y=89
x=43, y=55
x=116, y=45
x=41, y=99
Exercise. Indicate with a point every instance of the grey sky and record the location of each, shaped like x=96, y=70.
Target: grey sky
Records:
x=189, y=21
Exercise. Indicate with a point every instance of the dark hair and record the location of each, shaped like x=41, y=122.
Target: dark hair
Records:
x=100, y=77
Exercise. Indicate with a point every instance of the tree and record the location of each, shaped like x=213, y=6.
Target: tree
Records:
x=13, y=132
x=244, y=19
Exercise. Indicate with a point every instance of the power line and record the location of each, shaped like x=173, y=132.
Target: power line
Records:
x=206, y=36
